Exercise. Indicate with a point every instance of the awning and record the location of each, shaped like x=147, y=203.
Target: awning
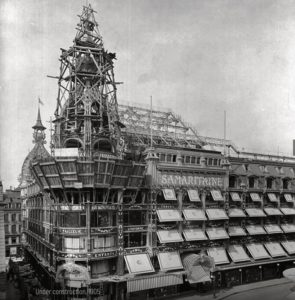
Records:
x=193, y=195
x=237, y=253
x=235, y=196
x=169, y=215
x=216, y=214
x=197, y=267
x=272, y=228
x=271, y=211
x=218, y=233
x=287, y=172
x=255, y=212
x=275, y=249
x=288, y=211
x=216, y=195
x=287, y=228
x=195, y=234
x=257, y=251
x=288, y=197
x=219, y=255
x=236, y=231
x=193, y=214
x=169, y=236
x=289, y=246
x=153, y=282
x=255, y=197
x=272, y=197
x=139, y=263
x=255, y=229
x=236, y=213
x=169, y=194
x=169, y=261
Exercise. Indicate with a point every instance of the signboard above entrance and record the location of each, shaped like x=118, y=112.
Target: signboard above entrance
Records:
x=190, y=180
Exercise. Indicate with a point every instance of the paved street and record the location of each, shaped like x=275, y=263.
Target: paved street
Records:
x=277, y=289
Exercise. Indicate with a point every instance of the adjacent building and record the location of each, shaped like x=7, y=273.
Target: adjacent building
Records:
x=133, y=202
x=12, y=222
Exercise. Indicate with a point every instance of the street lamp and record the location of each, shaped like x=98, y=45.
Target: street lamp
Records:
x=213, y=277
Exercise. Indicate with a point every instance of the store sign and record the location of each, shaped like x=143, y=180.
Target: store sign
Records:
x=190, y=180
x=104, y=254
x=103, y=207
x=72, y=231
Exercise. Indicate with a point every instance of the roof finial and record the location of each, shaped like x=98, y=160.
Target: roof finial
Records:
x=39, y=124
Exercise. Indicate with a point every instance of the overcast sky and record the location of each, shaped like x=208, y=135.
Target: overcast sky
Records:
x=196, y=57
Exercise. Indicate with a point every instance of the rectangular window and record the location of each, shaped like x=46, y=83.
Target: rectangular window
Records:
x=13, y=228
x=193, y=160
x=13, y=217
x=13, y=240
x=169, y=158
x=162, y=157
x=74, y=244
x=5, y=217
x=187, y=159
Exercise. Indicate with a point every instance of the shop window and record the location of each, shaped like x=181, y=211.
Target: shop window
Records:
x=285, y=184
x=99, y=219
x=100, y=268
x=74, y=244
x=104, y=242
x=251, y=182
x=269, y=182
x=232, y=181
x=136, y=239
x=73, y=219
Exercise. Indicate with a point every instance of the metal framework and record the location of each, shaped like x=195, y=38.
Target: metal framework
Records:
x=86, y=115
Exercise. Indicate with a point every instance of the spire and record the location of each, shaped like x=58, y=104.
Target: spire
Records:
x=39, y=124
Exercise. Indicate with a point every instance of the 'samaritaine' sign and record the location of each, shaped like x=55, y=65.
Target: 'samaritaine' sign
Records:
x=190, y=180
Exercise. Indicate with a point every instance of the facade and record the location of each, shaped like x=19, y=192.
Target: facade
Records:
x=132, y=202
x=12, y=222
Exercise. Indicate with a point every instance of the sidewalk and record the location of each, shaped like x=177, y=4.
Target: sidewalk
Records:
x=225, y=293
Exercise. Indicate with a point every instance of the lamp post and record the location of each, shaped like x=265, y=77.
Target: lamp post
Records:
x=213, y=277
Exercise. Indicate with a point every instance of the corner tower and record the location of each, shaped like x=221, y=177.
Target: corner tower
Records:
x=86, y=115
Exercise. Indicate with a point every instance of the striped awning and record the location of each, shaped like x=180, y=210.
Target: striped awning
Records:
x=216, y=195
x=272, y=197
x=153, y=282
x=255, y=197
x=219, y=255
x=255, y=212
x=216, y=214
x=288, y=197
x=169, y=236
x=139, y=263
x=288, y=211
x=217, y=233
x=236, y=231
x=169, y=194
x=194, y=234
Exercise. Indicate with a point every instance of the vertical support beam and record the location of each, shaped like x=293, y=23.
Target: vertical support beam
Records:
x=180, y=194
x=120, y=238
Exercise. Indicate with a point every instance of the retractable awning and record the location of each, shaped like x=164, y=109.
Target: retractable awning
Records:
x=197, y=267
x=235, y=197
x=195, y=234
x=275, y=249
x=288, y=228
x=257, y=251
x=152, y=282
x=272, y=228
x=255, y=212
x=236, y=231
x=169, y=236
x=169, y=194
x=237, y=253
x=288, y=197
x=169, y=261
x=193, y=214
x=255, y=229
x=288, y=211
x=255, y=197
x=193, y=195
x=218, y=233
x=272, y=197
x=216, y=214
x=216, y=195
x=169, y=215
x=271, y=211
x=289, y=246
x=219, y=255
x=236, y=213
x=139, y=263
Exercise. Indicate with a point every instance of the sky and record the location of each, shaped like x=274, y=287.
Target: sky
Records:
x=198, y=58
